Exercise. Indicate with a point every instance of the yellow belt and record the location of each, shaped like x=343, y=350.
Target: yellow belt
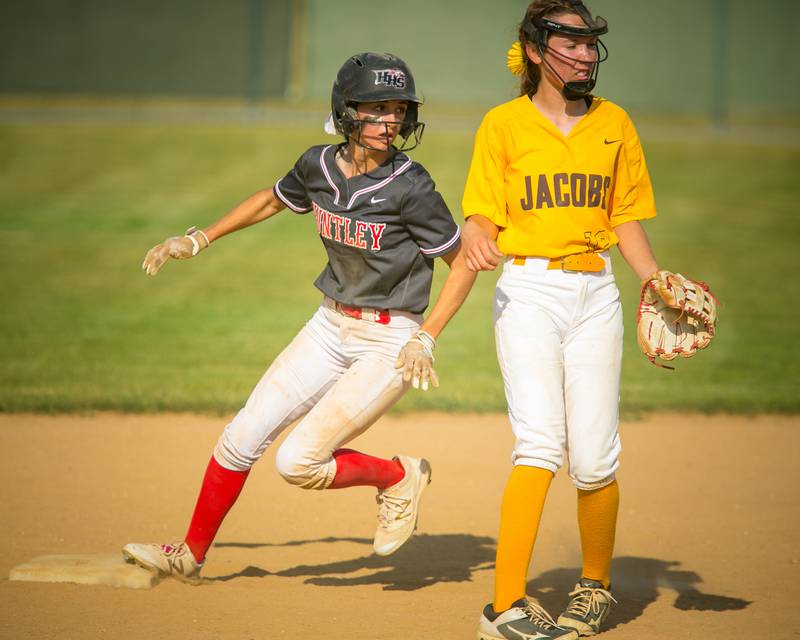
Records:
x=576, y=262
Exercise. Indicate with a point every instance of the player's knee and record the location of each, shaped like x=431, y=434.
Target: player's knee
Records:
x=592, y=474
x=536, y=454
x=594, y=466
x=229, y=456
x=301, y=471
x=238, y=448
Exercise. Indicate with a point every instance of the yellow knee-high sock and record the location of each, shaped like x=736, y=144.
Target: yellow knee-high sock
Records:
x=523, y=502
x=597, y=521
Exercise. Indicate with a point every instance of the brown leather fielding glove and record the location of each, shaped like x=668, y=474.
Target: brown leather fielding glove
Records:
x=177, y=247
x=677, y=317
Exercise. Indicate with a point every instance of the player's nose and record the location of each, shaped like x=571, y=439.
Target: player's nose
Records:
x=587, y=54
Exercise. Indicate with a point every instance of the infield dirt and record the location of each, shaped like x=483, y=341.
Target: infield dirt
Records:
x=706, y=544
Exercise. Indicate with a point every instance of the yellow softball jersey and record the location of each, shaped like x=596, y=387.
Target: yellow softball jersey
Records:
x=554, y=195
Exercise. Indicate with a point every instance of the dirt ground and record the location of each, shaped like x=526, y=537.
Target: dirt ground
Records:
x=707, y=543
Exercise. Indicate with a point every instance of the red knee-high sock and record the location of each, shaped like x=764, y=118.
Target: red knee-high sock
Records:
x=354, y=469
x=220, y=489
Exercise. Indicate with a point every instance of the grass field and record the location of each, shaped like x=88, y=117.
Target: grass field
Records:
x=83, y=329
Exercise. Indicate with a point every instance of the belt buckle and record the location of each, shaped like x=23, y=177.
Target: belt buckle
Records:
x=564, y=266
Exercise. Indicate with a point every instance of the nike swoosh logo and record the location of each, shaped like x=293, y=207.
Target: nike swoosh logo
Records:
x=607, y=141
x=374, y=200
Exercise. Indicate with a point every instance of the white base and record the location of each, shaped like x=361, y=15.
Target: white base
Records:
x=109, y=570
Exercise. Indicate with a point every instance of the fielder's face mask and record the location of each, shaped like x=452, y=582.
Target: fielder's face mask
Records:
x=539, y=30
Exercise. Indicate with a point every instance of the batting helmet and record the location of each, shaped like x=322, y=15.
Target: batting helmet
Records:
x=374, y=77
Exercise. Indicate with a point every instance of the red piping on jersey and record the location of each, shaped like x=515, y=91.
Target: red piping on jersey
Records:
x=285, y=200
x=382, y=183
x=361, y=192
x=327, y=175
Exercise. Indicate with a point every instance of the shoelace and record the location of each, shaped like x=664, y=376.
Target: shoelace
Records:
x=391, y=508
x=539, y=616
x=171, y=549
x=585, y=599
x=176, y=554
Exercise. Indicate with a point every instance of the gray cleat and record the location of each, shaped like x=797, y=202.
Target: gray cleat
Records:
x=588, y=609
x=523, y=621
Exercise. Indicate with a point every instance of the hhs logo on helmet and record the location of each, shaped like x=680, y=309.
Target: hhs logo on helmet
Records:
x=390, y=78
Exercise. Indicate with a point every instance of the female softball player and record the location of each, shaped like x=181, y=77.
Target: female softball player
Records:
x=382, y=223
x=557, y=178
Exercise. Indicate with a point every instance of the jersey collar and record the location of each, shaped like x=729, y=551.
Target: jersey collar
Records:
x=372, y=181
x=529, y=108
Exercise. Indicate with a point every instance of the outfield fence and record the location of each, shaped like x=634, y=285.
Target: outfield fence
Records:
x=719, y=60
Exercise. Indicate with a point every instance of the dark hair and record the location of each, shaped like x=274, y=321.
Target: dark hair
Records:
x=537, y=9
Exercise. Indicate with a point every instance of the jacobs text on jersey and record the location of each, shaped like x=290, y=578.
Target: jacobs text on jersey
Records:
x=565, y=190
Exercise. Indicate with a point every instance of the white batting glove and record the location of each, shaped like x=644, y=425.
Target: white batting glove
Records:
x=177, y=247
x=416, y=361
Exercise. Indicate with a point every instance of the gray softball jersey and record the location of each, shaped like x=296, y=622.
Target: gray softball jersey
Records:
x=381, y=230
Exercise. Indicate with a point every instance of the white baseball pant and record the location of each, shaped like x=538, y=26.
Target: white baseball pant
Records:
x=339, y=373
x=559, y=346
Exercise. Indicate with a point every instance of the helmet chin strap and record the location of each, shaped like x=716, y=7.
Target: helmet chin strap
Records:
x=577, y=90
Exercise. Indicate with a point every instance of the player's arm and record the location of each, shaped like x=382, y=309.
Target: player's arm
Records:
x=259, y=206
x=635, y=248
x=416, y=357
x=454, y=291
x=479, y=242
x=483, y=202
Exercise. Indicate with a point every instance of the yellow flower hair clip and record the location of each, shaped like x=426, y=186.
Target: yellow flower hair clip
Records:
x=515, y=59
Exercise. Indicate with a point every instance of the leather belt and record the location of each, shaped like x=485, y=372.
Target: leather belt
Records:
x=589, y=262
x=381, y=316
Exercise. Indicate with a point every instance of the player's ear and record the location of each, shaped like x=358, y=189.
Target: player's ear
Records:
x=533, y=53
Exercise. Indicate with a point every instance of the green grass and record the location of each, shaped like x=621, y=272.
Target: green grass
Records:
x=83, y=329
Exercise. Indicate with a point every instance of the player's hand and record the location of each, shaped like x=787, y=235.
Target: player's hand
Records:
x=480, y=251
x=416, y=361
x=177, y=247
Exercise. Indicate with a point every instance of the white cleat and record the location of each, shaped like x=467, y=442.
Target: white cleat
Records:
x=174, y=559
x=398, y=506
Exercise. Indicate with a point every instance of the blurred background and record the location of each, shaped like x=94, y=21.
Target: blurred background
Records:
x=718, y=60
x=122, y=123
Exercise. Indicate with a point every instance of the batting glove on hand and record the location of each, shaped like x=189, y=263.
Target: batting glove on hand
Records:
x=416, y=361
x=177, y=247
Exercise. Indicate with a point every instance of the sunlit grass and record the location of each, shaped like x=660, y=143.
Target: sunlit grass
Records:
x=84, y=329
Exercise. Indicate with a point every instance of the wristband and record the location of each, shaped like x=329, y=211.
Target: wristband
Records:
x=196, y=248
x=195, y=245
x=426, y=340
